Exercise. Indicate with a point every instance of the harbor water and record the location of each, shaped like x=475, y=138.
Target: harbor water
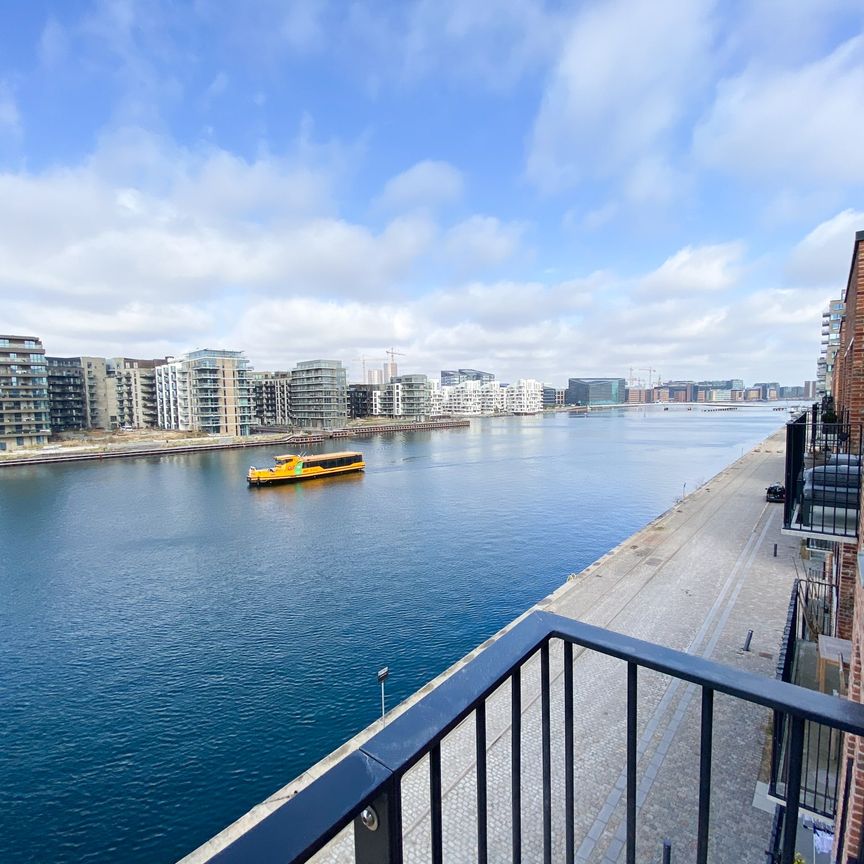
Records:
x=175, y=646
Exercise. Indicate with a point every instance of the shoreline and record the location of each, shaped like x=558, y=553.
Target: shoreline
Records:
x=138, y=450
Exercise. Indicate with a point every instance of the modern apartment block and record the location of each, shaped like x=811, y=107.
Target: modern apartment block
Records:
x=66, y=394
x=361, y=401
x=271, y=398
x=205, y=391
x=135, y=383
x=832, y=317
x=319, y=394
x=100, y=393
x=596, y=391
x=24, y=407
x=525, y=396
x=406, y=396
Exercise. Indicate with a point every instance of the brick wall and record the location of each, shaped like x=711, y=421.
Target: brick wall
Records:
x=849, y=394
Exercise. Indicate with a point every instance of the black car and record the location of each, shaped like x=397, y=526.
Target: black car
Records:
x=775, y=493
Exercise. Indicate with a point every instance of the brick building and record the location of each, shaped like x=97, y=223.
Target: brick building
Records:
x=849, y=398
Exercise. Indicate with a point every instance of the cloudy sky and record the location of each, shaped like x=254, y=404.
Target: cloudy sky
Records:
x=537, y=189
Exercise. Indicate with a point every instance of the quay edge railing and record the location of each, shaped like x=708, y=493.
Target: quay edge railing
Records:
x=365, y=786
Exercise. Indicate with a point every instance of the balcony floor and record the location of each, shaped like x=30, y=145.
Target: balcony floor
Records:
x=696, y=579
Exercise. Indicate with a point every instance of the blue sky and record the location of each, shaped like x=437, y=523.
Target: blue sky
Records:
x=537, y=189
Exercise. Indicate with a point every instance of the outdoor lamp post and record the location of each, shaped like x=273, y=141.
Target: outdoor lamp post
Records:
x=382, y=677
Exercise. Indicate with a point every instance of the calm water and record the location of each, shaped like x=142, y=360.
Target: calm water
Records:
x=169, y=637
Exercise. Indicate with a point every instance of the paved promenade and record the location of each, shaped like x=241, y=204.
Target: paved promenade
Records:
x=696, y=579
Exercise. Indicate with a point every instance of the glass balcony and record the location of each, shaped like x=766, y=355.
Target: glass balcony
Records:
x=823, y=479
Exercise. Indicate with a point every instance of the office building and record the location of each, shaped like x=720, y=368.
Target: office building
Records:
x=319, y=395
x=451, y=377
x=205, y=391
x=25, y=413
x=596, y=391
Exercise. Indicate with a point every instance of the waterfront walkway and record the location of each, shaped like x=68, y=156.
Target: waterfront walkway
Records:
x=696, y=579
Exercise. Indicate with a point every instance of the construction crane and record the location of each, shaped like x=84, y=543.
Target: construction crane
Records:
x=363, y=358
x=391, y=353
x=650, y=372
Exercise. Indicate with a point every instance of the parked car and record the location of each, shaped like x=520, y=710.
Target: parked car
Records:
x=776, y=492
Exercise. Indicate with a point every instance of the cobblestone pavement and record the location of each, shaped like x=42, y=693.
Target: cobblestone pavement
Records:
x=696, y=579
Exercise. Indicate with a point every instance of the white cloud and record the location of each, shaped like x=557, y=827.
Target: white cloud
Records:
x=822, y=258
x=425, y=184
x=10, y=118
x=482, y=241
x=624, y=79
x=53, y=44
x=694, y=271
x=802, y=125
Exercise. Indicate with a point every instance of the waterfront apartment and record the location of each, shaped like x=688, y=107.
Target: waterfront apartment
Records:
x=319, y=394
x=135, y=382
x=66, y=394
x=205, y=391
x=361, y=401
x=524, y=397
x=24, y=407
x=832, y=317
x=271, y=398
x=406, y=397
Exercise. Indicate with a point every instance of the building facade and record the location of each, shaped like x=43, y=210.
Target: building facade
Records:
x=25, y=414
x=319, y=394
x=451, y=377
x=66, y=393
x=205, y=391
x=271, y=398
x=360, y=400
x=135, y=382
x=832, y=317
x=406, y=396
x=596, y=391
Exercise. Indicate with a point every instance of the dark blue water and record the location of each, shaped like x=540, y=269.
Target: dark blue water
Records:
x=174, y=646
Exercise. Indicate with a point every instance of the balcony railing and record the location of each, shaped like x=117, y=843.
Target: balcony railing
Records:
x=364, y=790
x=811, y=613
x=823, y=479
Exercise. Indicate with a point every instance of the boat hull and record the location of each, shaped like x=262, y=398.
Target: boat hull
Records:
x=275, y=478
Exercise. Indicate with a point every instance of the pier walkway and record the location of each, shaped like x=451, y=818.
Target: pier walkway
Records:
x=696, y=579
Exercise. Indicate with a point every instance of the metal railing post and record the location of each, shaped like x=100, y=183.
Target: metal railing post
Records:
x=378, y=829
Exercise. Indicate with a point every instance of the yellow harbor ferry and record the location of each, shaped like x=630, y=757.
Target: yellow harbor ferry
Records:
x=291, y=468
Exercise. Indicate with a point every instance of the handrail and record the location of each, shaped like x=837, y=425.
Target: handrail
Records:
x=305, y=823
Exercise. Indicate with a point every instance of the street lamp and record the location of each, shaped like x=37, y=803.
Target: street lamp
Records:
x=382, y=677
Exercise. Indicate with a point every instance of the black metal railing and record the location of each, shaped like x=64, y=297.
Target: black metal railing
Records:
x=823, y=478
x=365, y=787
x=810, y=609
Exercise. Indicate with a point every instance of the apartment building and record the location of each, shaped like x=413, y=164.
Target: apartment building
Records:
x=525, y=396
x=24, y=407
x=205, y=391
x=831, y=320
x=319, y=394
x=406, y=396
x=66, y=394
x=135, y=383
x=271, y=398
x=451, y=377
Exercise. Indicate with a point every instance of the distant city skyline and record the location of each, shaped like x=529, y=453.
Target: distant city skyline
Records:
x=520, y=186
